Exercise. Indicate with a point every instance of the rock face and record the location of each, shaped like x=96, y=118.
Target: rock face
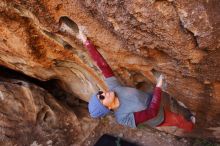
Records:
x=29, y=115
x=137, y=37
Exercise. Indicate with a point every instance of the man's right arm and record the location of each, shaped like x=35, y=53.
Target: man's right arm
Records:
x=98, y=58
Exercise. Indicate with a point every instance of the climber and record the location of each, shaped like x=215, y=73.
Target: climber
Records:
x=131, y=107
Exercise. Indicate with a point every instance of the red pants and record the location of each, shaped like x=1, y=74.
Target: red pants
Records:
x=173, y=119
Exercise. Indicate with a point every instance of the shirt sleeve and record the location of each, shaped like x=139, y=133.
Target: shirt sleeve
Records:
x=112, y=82
x=98, y=58
x=152, y=110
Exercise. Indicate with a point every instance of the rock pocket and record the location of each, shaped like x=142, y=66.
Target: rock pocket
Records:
x=68, y=26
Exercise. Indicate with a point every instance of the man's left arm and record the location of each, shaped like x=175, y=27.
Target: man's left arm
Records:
x=154, y=106
x=152, y=110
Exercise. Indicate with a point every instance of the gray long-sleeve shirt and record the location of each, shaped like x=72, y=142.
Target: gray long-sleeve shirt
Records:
x=131, y=100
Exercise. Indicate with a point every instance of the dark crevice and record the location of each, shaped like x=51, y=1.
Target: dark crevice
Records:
x=145, y=86
x=52, y=86
x=67, y=24
x=156, y=73
x=49, y=85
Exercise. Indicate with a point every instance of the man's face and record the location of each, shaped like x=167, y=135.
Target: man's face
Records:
x=106, y=98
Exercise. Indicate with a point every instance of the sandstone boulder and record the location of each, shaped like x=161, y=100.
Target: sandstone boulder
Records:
x=138, y=38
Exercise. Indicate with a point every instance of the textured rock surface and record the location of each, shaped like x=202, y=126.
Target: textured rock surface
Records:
x=177, y=38
x=30, y=115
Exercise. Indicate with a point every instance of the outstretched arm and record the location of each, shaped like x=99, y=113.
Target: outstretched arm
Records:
x=154, y=106
x=100, y=61
x=96, y=56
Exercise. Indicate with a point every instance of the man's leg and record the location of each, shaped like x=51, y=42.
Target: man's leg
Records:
x=175, y=106
x=173, y=119
x=172, y=104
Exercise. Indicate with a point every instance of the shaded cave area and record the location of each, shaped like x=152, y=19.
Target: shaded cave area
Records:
x=51, y=86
